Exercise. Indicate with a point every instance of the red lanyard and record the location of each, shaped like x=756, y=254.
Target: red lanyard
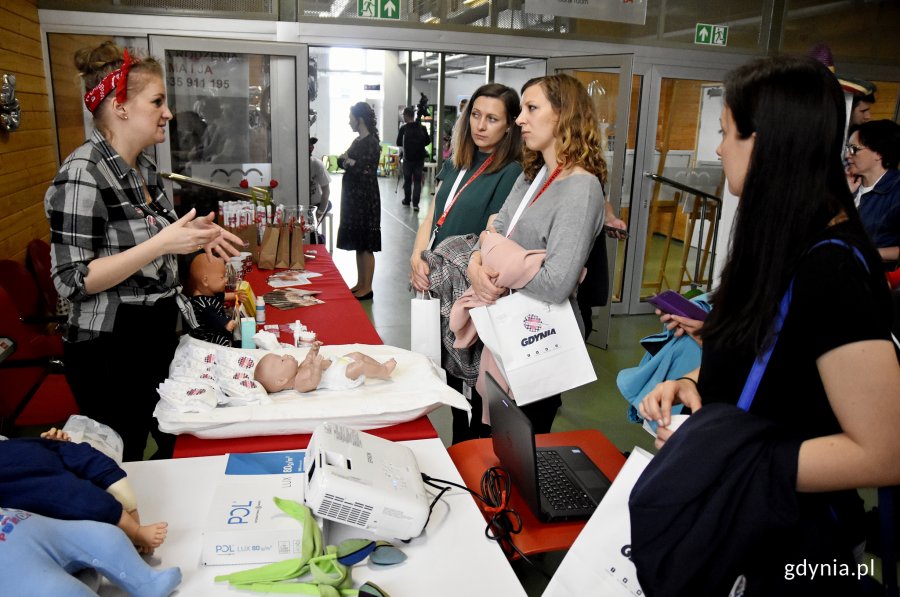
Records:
x=544, y=186
x=452, y=202
x=550, y=179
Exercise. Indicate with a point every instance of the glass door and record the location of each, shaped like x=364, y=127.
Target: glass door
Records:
x=241, y=117
x=615, y=93
x=680, y=181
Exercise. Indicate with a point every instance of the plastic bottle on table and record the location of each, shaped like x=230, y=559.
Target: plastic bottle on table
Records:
x=260, y=310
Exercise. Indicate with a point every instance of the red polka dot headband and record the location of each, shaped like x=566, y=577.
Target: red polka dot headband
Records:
x=118, y=80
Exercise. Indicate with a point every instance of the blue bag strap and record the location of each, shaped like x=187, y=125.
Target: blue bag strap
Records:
x=762, y=361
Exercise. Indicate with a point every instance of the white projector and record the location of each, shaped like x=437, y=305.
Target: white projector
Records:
x=361, y=480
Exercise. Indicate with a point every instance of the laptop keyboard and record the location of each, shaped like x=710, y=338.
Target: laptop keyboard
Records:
x=555, y=485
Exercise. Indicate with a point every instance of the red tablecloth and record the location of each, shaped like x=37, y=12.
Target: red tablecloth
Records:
x=340, y=320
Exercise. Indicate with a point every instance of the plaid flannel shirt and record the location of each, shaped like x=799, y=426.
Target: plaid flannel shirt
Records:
x=97, y=208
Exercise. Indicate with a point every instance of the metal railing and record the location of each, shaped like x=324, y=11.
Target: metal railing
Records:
x=707, y=202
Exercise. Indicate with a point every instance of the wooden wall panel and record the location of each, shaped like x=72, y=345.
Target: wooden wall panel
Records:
x=67, y=90
x=27, y=160
x=886, y=98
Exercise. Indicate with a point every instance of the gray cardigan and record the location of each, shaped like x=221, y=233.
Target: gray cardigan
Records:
x=564, y=220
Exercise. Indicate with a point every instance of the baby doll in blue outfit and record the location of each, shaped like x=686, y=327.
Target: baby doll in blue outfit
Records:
x=55, y=477
x=40, y=554
x=62, y=502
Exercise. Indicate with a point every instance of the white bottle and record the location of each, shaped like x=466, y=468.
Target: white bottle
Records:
x=260, y=310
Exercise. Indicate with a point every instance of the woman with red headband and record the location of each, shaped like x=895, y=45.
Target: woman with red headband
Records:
x=114, y=237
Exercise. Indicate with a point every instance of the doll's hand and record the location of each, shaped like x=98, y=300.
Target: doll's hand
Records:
x=57, y=434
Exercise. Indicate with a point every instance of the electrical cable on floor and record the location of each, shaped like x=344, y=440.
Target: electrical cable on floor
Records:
x=504, y=522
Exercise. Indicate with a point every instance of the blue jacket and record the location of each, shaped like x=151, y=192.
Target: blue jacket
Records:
x=880, y=211
x=667, y=358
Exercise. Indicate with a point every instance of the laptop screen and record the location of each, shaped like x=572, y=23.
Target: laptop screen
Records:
x=513, y=441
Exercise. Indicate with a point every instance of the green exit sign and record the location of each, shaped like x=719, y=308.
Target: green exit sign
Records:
x=378, y=9
x=711, y=35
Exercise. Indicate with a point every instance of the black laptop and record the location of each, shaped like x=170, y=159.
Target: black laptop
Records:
x=559, y=483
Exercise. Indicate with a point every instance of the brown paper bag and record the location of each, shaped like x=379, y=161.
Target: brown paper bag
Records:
x=298, y=261
x=269, y=248
x=250, y=236
x=283, y=257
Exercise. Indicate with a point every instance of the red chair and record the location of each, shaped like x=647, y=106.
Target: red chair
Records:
x=22, y=289
x=38, y=263
x=34, y=390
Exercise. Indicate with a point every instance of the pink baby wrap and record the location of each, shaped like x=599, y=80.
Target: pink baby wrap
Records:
x=516, y=267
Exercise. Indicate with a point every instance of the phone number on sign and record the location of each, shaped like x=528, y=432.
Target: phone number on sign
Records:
x=198, y=82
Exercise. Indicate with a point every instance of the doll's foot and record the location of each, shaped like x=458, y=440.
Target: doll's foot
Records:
x=151, y=536
x=159, y=584
x=387, y=368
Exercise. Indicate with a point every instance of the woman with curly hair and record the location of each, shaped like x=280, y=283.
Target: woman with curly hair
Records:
x=563, y=160
x=360, y=228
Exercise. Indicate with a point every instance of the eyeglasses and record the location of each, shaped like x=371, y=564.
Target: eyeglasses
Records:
x=853, y=149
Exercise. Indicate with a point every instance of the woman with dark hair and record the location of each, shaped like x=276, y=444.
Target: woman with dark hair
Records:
x=474, y=184
x=873, y=152
x=563, y=178
x=360, y=228
x=114, y=236
x=804, y=288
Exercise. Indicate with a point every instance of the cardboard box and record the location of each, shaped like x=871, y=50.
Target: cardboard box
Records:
x=244, y=524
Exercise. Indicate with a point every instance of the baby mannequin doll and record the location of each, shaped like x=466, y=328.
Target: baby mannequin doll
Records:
x=281, y=372
x=208, y=298
x=60, y=479
x=40, y=554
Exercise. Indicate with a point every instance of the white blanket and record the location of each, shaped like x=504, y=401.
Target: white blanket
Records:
x=415, y=389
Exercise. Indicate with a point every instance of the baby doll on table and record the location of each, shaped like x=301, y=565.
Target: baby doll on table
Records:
x=56, y=499
x=282, y=372
x=60, y=479
x=208, y=298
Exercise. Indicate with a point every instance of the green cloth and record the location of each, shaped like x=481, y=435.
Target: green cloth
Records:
x=329, y=577
x=483, y=198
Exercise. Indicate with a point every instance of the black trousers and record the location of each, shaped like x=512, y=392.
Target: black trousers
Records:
x=540, y=413
x=114, y=377
x=463, y=429
x=413, y=171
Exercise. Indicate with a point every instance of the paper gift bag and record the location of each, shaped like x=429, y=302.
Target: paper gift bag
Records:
x=297, y=261
x=537, y=345
x=283, y=256
x=250, y=236
x=425, y=326
x=268, y=250
x=599, y=561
